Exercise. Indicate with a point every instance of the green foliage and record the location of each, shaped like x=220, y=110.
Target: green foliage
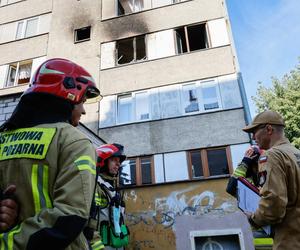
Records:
x=283, y=97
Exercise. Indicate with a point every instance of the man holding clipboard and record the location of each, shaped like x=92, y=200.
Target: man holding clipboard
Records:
x=279, y=178
x=248, y=199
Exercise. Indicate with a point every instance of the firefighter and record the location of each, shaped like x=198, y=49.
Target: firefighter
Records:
x=279, y=171
x=49, y=160
x=109, y=200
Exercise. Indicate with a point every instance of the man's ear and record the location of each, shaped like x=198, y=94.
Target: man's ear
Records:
x=269, y=129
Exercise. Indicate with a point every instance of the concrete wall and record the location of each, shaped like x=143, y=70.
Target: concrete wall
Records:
x=161, y=217
x=24, y=9
x=175, y=69
x=160, y=18
x=67, y=16
x=183, y=133
x=15, y=51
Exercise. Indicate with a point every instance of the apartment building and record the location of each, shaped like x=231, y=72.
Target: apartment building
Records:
x=172, y=94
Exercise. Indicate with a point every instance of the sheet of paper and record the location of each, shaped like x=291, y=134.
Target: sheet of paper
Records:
x=248, y=200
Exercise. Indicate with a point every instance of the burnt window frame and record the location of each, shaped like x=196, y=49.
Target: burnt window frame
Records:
x=135, y=60
x=204, y=162
x=83, y=40
x=187, y=38
x=138, y=171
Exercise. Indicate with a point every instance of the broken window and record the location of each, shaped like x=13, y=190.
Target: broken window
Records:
x=83, y=34
x=18, y=73
x=190, y=38
x=27, y=28
x=130, y=6
x=209, y=162
x=131, y=50
x=137, y=171
x=190, y=98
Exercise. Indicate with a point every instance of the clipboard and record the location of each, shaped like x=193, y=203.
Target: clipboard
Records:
x=248, y=198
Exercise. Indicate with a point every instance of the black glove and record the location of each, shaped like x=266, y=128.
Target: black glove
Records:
x=253, y=159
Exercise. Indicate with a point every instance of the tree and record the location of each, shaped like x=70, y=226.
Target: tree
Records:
x=284, y=97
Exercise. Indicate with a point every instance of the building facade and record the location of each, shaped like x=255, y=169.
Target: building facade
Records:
x=172, y=95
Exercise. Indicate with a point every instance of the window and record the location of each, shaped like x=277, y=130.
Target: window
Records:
x=130, y=6
x=137, y=171
x=83, y=34
x=142, y=106
x=131, y=50
x=18, y=73
x=190, y=38
x=125, y=109
x=210, y=95
x=217, y=239
x=209, y=162
x=133, y=107
x=200, y=96
x=27, y=28
x=190, y=98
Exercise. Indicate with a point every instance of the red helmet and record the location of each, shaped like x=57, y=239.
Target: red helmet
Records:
x=65, y=79
x=109, y=150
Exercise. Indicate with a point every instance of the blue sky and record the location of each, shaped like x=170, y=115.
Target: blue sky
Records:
x=267, y=39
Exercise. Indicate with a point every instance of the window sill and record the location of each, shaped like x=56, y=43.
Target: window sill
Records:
x=161, y=58
x=13, y=90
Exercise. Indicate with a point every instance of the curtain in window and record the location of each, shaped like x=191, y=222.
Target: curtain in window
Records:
x=24, y=71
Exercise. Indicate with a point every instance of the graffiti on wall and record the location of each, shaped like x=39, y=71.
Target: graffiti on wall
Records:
x=176, y=204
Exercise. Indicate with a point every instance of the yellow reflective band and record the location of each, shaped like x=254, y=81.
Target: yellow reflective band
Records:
x=86, y=158
x=39, y=182
x=88, y=168
x=7, y=239
x=263, y=241
x=11, y=237
x=86, y=163
x=30, y=143
x=239, y=173
x=45, y=187
x=35, y=192
x=98, y=245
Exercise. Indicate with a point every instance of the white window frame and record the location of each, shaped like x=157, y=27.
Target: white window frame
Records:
x=6, y=84
x=197, y=95
x=17, y=72
x=133, y=107
x=199, y=85
x=118, y=107
x=224, y=232
x=208, y=83
x=25, y=23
